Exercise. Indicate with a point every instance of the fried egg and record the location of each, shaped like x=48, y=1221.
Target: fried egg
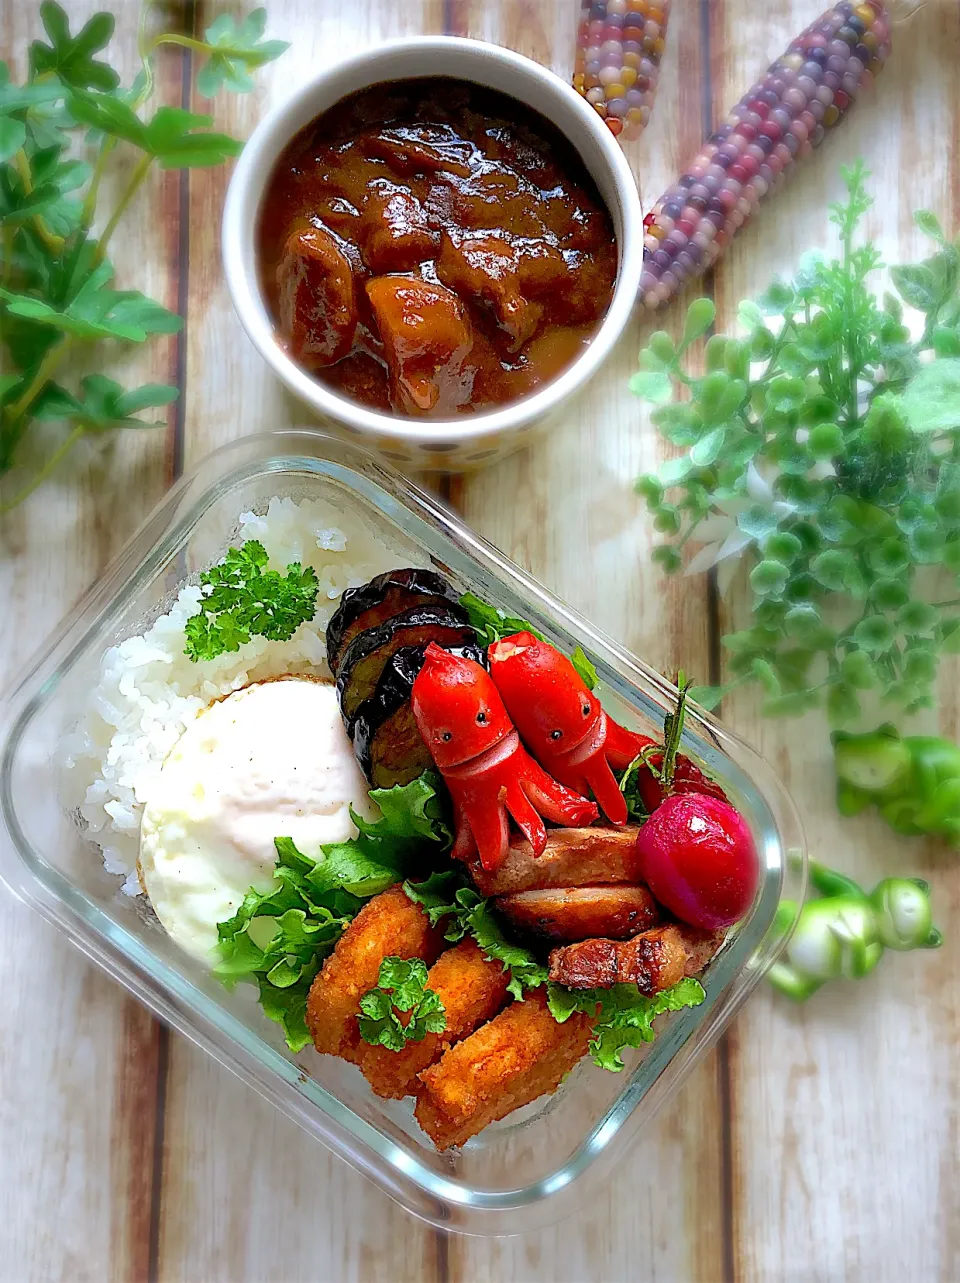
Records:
x=271, y=760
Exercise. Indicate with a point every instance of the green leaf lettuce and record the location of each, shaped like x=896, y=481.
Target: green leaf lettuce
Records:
x=624, y=1017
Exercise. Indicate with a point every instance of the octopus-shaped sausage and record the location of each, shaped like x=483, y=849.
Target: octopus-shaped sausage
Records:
x=489, y=774
x=565, y=728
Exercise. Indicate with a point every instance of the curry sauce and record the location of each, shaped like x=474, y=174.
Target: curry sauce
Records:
x=433, y=248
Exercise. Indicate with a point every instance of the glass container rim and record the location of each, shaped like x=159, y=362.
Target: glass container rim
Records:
x=179, y=1001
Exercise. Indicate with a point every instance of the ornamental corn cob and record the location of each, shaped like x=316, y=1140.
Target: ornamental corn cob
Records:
x=619, y=47
x=806, y=92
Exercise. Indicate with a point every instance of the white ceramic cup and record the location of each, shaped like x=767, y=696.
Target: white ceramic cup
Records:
x=470, y=440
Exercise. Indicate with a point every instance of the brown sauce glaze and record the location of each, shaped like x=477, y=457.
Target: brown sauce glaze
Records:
x=433, y=248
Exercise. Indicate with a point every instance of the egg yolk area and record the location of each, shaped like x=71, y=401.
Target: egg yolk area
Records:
x=271, y=760
x=434, y=248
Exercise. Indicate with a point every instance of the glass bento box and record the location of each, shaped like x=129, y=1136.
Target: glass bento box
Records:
x=533, y=1166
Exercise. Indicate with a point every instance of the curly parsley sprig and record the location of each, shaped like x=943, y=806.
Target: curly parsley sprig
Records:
x=56, y=279
x=401, y=990
x=242, y=599
x=823, y=445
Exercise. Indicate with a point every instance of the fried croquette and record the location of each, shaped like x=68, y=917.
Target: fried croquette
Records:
x=521, y=1054
x=389, y=925
x=471, y=987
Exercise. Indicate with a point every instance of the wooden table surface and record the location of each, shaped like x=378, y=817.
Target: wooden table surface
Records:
x=816, y=1143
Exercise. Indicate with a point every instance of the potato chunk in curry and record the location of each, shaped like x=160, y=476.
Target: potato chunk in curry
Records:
x=426, y=339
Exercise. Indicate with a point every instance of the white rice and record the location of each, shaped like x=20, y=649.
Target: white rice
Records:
x=148, y=689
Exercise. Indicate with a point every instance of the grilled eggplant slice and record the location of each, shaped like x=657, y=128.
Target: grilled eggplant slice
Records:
x=381, y=599
x=364, y=659
x=386, y=741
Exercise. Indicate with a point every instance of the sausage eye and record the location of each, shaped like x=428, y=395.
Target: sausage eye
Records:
x=586, y=710
x=481, y=718
x=446, y=736
x=556, y=735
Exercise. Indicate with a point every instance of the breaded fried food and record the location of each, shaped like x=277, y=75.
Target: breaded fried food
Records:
x=390, y=925
x=580, y=913
x=519, y=1055
x=571, y=858
x=471, y=987
x=653, y=960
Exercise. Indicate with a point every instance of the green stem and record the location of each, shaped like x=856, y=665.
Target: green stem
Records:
x=9, y=236
x=136, y=178
x=184, y=42
x=672, y=732
x=850, y=341
x=53, y=242
x=90, y=200
x=145, y=50
x=789, y=327
x=106, y=147
x=43, y=373
x=689, y=531
x=44, y=472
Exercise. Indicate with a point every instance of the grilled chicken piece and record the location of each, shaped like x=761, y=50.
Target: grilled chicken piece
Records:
x=471, y=987
x=389, y=925
x=653, y=961
x=508, y=1062
x=579, y=913
x=317, y=302
x=571, y=858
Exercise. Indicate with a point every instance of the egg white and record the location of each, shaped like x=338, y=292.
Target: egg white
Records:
x=271, y=760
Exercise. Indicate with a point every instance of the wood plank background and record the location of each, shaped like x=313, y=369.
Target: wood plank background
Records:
x=819, y=1143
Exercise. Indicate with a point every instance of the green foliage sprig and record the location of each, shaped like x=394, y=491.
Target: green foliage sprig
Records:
x=56, y=292
x=823, y=445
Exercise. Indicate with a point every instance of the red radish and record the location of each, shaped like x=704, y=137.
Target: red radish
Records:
x=699, y=860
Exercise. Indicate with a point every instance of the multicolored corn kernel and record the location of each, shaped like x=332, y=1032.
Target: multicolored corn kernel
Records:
x=619, y=47
x=806, y=92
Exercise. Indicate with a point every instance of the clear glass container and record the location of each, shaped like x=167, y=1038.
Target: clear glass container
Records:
x=535, y=1165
